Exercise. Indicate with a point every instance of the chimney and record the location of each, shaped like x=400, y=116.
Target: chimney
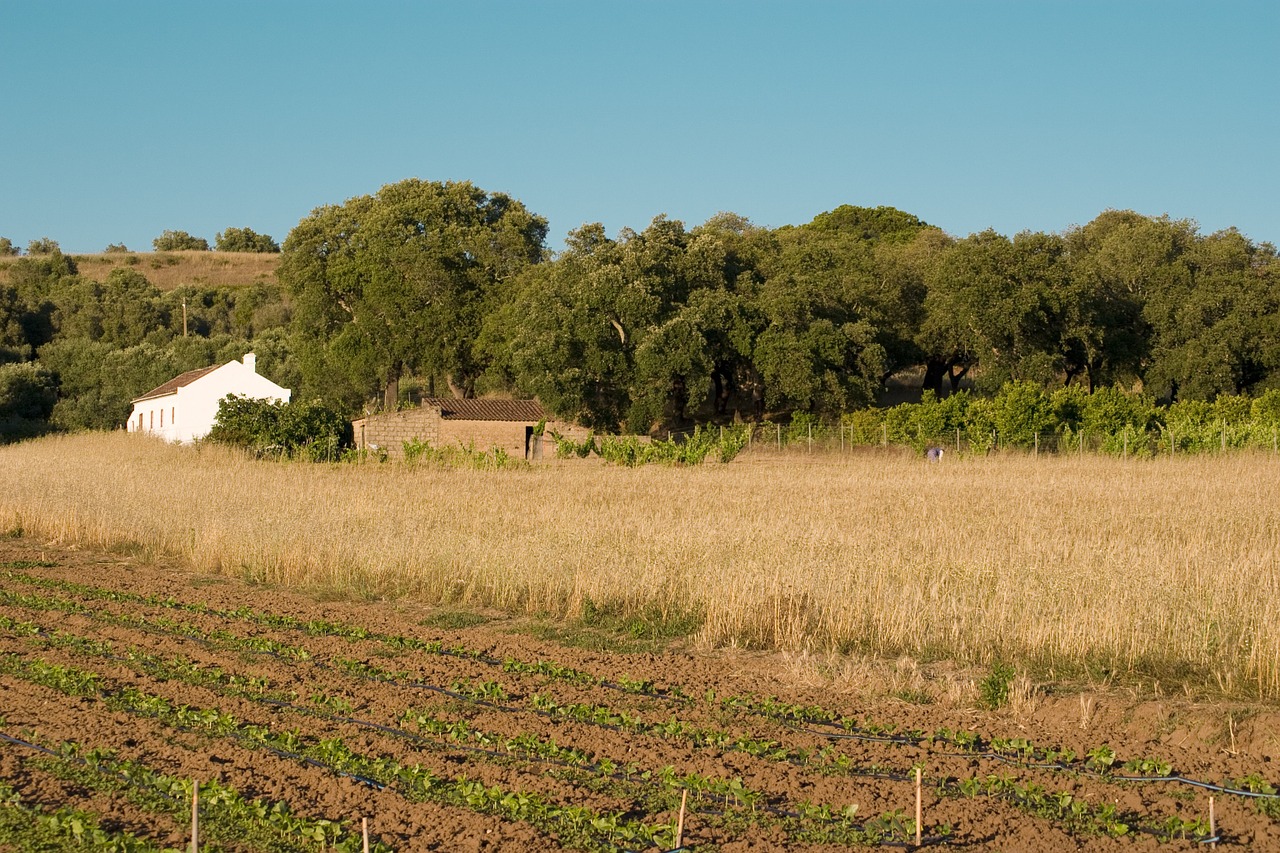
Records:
x=251, y=361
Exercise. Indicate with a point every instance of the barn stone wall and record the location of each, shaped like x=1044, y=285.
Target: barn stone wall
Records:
x=388, y=431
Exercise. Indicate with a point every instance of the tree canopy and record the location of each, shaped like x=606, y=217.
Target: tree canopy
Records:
x=399, y=282
x=179, y=241
x=244, y=240
x=445, y=288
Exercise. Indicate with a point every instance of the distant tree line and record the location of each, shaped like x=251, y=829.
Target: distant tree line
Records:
x=74, y=352
x=444, y=288
x=231, y=240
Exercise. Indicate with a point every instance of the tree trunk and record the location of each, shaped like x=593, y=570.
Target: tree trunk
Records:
x=391, y=393
x=722, y=376
x=679, y=398
x=462, y=388
x=935, y=369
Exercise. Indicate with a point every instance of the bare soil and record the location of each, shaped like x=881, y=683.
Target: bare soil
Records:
x=359, y=689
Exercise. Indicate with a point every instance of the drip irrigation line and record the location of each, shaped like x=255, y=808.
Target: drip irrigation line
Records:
x=844, y=734
x=19, y=742
x=83, y=762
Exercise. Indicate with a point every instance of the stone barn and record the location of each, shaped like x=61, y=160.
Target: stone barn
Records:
x=443, y=422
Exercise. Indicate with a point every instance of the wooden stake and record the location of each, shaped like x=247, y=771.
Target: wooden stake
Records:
x=919, y=807
x=684, y=798
x=364, y=831
x=1213, y=830
x=195, y=816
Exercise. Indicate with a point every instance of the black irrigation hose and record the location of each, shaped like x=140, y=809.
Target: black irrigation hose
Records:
x=1013, y=762
x=84, y=762
x=844, y=734
x=766, y=807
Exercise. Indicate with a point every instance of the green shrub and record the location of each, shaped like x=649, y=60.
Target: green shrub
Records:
x=1119, y=422
x=864, y=426
x=994, y=689
x=244, y=240
x=1022, y=412
x=567, y=448
x=27, y=392
x=42, y=246
x=178, y=241
x=305, y=430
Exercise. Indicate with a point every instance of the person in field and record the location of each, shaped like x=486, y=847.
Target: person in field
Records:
x=933, y=454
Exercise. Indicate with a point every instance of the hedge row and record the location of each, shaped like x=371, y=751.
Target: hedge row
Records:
x=1025, y=415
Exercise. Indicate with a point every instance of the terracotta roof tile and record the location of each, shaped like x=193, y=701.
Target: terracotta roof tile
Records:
x=486, y=410
x=172, y=386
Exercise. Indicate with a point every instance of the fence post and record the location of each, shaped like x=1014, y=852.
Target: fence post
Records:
x=195, y=816
x=810, y=438
x=919, y=806
x=1036, y=452
x=957, y=441
x=1224, y=435
x=1126, y=442
x=884, y=435
x=779, y=436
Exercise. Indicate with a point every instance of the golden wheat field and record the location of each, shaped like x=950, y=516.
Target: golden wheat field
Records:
x=1160, y=569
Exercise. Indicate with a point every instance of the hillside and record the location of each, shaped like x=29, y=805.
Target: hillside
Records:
x=168, y=270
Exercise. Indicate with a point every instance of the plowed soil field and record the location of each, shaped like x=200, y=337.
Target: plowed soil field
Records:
x=122, y=681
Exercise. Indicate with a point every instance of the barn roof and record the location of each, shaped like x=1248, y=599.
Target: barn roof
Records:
x=172, y=386
x=486, y=410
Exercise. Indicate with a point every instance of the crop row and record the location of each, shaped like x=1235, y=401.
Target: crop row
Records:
x=807, y=820
x=572, y=824
x=227, y=816
x=28, y=827
x=1019, y=752
x=1059, y=806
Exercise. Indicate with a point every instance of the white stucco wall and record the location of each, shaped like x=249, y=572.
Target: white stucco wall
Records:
x=189, y=413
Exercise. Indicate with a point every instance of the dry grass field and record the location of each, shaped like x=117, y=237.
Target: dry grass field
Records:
x=168, y=270
x=1161, y=571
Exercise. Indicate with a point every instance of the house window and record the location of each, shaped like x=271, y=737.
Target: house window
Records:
x=151, y=422
x=139, y=421
x=162, y=419
x=173, y=416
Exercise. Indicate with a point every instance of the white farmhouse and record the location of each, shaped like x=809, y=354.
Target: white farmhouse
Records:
x=184, y=408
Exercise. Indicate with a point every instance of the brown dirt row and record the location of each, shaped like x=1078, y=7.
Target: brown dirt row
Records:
x=1136, y=729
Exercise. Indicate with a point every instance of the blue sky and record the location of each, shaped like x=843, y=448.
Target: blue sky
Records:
x=123, y=119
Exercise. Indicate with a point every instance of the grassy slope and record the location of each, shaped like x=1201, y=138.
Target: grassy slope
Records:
x=168, y=270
